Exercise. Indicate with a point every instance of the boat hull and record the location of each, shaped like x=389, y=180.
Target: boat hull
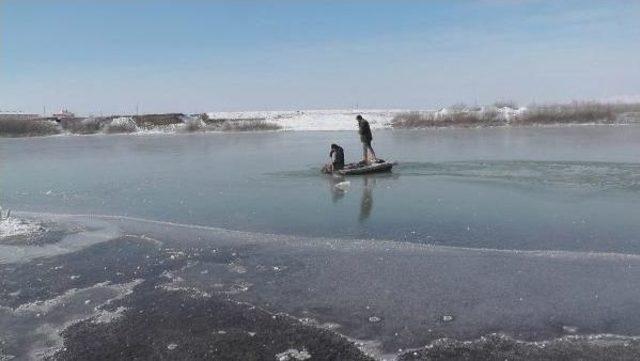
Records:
x=356, y=169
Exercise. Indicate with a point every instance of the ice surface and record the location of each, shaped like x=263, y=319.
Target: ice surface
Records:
x=394, y=294
x=39, y=324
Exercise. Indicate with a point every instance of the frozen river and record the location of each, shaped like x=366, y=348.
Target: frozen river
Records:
x=519, y=233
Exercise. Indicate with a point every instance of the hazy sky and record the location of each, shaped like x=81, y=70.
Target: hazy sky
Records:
x=107, y=56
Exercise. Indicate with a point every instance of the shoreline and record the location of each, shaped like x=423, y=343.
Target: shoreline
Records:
x=167, y=132
x=334, y=243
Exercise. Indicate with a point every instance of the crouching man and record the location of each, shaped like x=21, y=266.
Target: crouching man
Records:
x=337, y=159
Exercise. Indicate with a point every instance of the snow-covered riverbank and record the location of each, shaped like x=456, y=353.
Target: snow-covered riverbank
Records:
x=327, y=120
x=308, y=120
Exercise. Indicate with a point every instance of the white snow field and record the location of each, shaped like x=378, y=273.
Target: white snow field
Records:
x=340, y=119
x=313, y=119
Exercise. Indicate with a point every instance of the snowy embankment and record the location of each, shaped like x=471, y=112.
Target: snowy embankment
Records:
x=327, y=120
x=312, y=119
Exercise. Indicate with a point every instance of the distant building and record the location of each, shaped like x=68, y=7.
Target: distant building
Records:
x=63, y=114
x=12, y=115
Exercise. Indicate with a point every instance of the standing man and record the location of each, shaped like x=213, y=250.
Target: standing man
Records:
x=365, y=137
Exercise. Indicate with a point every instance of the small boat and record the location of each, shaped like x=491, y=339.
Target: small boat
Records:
x=360, y=168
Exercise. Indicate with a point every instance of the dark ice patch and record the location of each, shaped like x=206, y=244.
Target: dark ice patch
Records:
x=177, y=325
x=119, y=261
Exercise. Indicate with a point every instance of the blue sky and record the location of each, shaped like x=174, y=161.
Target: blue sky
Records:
x=107, y=56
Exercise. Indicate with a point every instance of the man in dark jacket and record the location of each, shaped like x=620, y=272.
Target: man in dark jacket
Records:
x=337, y=157
x=365, y=137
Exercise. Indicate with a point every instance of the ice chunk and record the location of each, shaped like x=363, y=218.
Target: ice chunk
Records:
x=569, y=329
x=15, y=227
x=447, y=318
x=343, y=186
x=293, y=354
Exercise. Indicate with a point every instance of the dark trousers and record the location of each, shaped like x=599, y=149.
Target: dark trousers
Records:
x=366, y=150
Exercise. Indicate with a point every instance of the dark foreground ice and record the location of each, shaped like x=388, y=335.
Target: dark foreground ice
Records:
x=120, y=288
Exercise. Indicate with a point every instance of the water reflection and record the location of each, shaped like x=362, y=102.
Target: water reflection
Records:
x=338, y=187
x=366, y=202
